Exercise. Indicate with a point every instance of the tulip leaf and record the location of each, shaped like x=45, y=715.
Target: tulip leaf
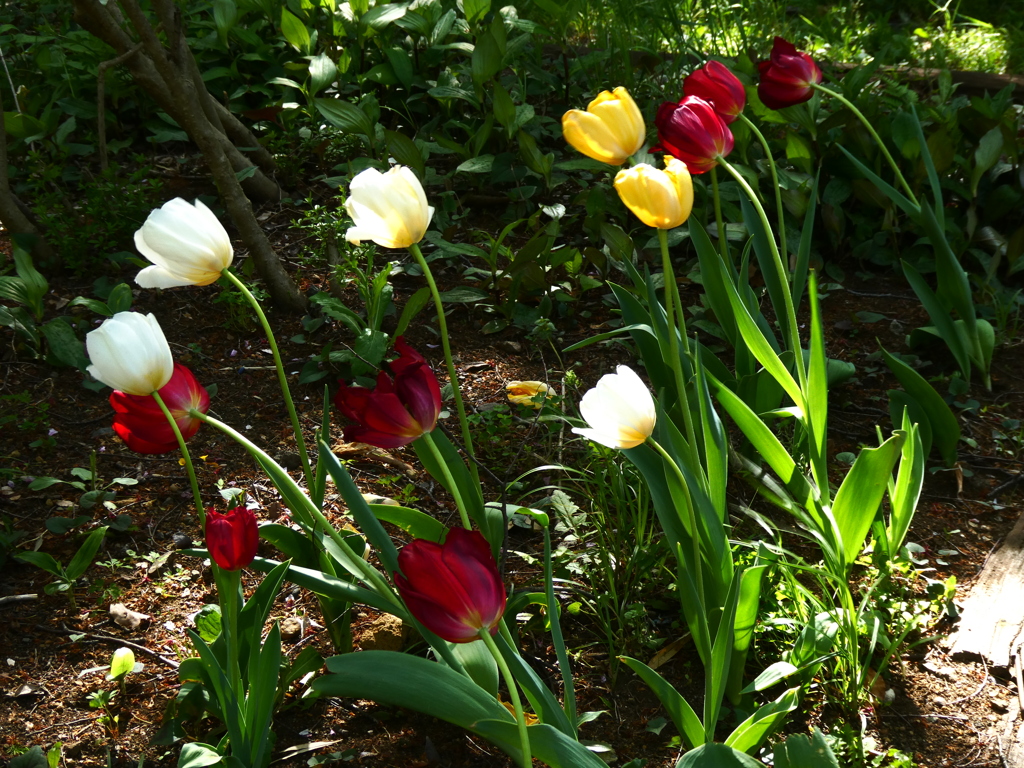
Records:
x=254, y=613
x=83, y=557
x=748, y=735
x=330, y=586
x=945, y=429
x=682, y=714
x=478, y=663
x=367, y=521
x=717, y=756
x=549, y=745
x=541, y=699
x=939, y=315
x=417, y=524
x=800, y=751
x=860, y=494
x=400, y=680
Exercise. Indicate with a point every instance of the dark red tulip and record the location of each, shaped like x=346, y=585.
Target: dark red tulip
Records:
x=692, y=131
x=232, y=537
x=716, y=84
x=402, y=406
x=786, y=77
x=139, y=421
x=453, y=589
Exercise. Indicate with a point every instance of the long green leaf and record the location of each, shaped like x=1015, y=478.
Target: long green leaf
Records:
x=890, y=191
x=939, y=316
x=944, y=424
x=860, y=494
x=816, y=422
x=367, y=521
x=549, y=745
x=766, y=264
x=751, y=733
x=409, y=681
x=929, y=166
x=681, y=713
x=747, y=605
x=803, y=255
x=716, y=674
x=333, y=587
x=907, y=491
x=541, y=699
x=83, y=557
x=717, y=756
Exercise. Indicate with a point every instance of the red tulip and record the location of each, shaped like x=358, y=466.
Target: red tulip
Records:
x=716, y=84
x=399, y=409
x=692, y=131
x=139, y=421
x=787, y=77
x=232, y=537
x=453, y=589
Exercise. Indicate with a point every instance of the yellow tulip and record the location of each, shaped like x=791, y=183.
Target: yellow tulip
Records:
x=526, y=393
x=660, y=199
x=611, y=129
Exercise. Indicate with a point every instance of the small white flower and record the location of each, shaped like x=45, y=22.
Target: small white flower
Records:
x=186, y=243
x=619, y=410
x=129, y=353
x=388, y=208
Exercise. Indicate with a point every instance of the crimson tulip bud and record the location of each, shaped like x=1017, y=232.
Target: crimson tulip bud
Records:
x=401, y=408
x=787, y=77
x=139, y=421
x=453, y=589
x=232, y=537
x=716, y=84
x=692, y=131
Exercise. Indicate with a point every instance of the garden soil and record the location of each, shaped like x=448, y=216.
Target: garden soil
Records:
x=942, y=711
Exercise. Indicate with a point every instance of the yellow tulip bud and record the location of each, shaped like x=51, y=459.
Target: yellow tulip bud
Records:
x=527, y=393
x=660, y=199
x=611, y=129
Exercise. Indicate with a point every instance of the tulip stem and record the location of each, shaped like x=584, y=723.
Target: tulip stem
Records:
x=874, y=134
x=281, y=377
x=723, y=241
x=513, y=694
x=228, y=586
x=775, y=182
x=428, y=439
x=369, y=574
x=694, y=531
x=783, y=275
x=453, y=375
x=187, y=457
x=672, y=300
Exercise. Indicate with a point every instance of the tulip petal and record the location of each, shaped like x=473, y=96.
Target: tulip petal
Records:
x=158, y=277
x=185, y=241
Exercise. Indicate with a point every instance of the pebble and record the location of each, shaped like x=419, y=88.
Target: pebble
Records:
x=181, y=540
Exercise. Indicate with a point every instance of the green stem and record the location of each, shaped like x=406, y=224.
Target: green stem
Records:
x=694, y=531
x=513, y=693
x=428, y=440
x=368, y=573
x=200, y=510
x=453, y=376
x=775, y=182
x=723, y=241
x=282, y=379
x=228, y=586
x=874, y=134
x=671, y=300
x=783, y=274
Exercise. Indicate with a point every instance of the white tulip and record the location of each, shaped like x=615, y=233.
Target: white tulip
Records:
x=129, y=353
x=388, y=208
x=186, y=243
x=619, y=410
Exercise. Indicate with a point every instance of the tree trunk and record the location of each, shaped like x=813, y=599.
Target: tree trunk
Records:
x=169, y=74
x=14, y=219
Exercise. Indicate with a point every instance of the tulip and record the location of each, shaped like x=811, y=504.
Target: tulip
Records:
x=611, y=129
x=453, y=589
x=619, y=410
x=528, y=393
x=692, y=131
x=401, y=408
x=232, y=537
x=187, y=245
x=129, y=353
x=389, y=208
x=660, y=199
x=139, y=421
x=787, y=77
x=716, y=84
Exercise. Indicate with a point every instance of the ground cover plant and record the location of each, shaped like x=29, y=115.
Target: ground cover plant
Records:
x=663, y=506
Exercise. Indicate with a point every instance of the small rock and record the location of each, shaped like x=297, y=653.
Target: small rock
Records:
x=1000, y=705
x=383, y=634
x=101, y=432
x=182, y=540
x=291, y=629
x=126, y=618
x=939, y=701
x=288, y=460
